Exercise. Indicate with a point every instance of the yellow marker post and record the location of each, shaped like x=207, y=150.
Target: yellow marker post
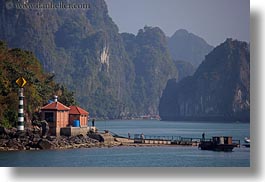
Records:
x=21, y=83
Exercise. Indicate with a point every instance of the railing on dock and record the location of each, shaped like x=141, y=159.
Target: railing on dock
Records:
x=167, y=140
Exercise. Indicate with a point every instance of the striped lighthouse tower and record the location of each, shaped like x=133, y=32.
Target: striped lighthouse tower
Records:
x=20, y=123
x=21, y=83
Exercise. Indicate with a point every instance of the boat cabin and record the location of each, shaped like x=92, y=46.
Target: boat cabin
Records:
x=222, y=140
x=219, y=143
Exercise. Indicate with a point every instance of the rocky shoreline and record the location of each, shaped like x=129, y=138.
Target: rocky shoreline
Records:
x=30, y=139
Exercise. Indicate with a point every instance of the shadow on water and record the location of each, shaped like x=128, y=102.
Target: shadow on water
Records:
x=194, y=173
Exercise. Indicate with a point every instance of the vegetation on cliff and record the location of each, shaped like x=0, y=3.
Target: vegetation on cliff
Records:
x=40, y=86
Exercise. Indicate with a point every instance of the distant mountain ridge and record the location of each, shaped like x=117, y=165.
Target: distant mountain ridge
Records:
x=218, y=90
x=188, y=47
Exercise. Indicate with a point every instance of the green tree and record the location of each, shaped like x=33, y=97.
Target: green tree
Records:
x=40, y=86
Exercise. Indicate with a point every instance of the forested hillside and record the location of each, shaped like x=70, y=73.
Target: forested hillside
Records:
x=40, y=86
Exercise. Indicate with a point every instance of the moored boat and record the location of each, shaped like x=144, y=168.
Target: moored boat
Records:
x=247, y=142
x=218, y=143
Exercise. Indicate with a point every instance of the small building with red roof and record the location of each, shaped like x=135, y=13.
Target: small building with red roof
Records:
x=60, y=116
x=77, y=113
x=57, y=116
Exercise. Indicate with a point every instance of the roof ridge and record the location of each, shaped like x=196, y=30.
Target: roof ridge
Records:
x=56, y=106
x=77, y=109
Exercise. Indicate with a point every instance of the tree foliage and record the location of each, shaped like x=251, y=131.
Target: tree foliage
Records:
x=40, y=86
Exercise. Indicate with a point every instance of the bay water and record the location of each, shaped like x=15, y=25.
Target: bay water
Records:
x=155, y=156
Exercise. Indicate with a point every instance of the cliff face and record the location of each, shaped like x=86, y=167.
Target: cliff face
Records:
x=184, y=69
x=153, y=67
x=85, y=52
x=219, y=89
x=82, y=47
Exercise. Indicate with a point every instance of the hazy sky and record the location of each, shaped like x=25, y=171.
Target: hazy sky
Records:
x=213, y=20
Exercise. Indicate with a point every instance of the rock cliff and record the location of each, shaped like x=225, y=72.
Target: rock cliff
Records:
x=81, y=47
x=153, y=67
x=218, y=90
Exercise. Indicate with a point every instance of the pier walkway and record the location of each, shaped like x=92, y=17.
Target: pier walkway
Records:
x=161, y=140
x=166, y=140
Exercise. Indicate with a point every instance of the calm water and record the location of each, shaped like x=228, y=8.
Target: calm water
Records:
x=164, y=156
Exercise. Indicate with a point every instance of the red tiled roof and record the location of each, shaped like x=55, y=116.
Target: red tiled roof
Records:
x=55, y=106
x=77, y=110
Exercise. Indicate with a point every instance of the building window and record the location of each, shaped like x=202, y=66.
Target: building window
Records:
x=49, y=116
